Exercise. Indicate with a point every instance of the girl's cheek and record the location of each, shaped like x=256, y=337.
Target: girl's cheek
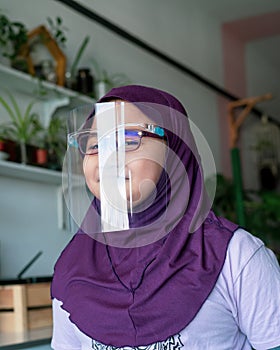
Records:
x=90, y=167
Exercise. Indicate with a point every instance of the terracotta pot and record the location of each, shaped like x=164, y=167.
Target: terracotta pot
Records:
x=41, y=156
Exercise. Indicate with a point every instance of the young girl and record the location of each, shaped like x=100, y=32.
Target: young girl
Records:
x=151, y=266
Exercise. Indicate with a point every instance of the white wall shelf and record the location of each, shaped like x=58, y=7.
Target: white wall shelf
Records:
x=30, y=173
x=43, y=90
x=49, y=95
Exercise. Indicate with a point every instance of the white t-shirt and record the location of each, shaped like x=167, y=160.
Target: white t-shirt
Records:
x=242, y=311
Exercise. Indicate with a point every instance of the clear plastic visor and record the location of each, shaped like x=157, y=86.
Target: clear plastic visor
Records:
x=123, y=183
x=113, y=164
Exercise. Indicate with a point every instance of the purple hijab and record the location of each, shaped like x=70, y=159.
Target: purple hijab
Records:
x=139, y=296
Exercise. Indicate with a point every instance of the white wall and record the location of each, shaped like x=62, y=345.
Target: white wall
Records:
x=182, y=31
x=262, y=78
x=29, y=224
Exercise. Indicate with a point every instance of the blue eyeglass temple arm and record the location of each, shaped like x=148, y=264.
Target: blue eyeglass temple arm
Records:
x=73, y=142
x=155, y=129
x=151, y=128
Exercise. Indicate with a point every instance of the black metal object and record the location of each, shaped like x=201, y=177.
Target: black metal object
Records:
x=153, y=51
x=27, y=280
x=27, y=266
x=20, y=280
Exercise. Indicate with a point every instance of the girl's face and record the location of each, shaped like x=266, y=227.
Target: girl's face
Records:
x=143, y=166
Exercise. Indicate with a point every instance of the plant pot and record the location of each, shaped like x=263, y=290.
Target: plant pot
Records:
x=41, y=156
x=11, y=148
x=101, y=89
x=3, y=154
x=2, y=145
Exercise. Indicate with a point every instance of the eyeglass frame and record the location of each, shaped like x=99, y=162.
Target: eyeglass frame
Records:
x=151, y=130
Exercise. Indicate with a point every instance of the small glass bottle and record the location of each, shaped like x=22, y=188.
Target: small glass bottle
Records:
x=85, y=81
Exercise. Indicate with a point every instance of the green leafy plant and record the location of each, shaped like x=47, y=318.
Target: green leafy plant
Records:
x=78, y=56
x=23, y=126
x=56, y=141
x=58, y=30
x=224, y=204
x=53, y=141
x=110, y=80
x=13, y=38
x=262, y=210
x=263, y=215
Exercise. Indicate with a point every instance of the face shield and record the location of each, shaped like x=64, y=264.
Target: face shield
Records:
x=123, y=183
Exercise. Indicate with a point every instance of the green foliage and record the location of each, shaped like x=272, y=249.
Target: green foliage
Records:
x=56, y=141
x=13, y=36
x=53, y=138
x=113, y=80
x=224, y=198
x=56, y=134
x=79, y=55
x=23, y=126
x=263, y=215
x=262, y=209
x=58, y=30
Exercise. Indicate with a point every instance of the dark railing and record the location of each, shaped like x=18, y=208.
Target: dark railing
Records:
x=157, y=53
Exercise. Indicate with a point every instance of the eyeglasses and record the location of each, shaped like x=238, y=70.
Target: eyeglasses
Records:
x=87, y=140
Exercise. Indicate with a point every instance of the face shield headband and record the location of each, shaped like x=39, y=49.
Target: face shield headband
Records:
x=129, y=171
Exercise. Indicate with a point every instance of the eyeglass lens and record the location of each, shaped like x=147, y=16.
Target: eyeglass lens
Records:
x=88, y=142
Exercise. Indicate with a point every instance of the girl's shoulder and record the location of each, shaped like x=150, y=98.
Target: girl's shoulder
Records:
x=244, y=250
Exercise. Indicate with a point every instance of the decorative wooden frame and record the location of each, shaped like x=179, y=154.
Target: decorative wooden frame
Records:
x=53, y=48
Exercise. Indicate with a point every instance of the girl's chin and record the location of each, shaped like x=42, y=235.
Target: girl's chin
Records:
x=137, y=198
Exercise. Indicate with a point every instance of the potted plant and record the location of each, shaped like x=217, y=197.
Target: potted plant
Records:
x=6, y=144
x=40, y=153
x=50, y=144
x=70, y=76
x=104, y=81
x=13, y=41
x=23, y=126
x=56, y=142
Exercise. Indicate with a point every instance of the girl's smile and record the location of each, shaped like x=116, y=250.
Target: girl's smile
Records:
x=143, y=166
